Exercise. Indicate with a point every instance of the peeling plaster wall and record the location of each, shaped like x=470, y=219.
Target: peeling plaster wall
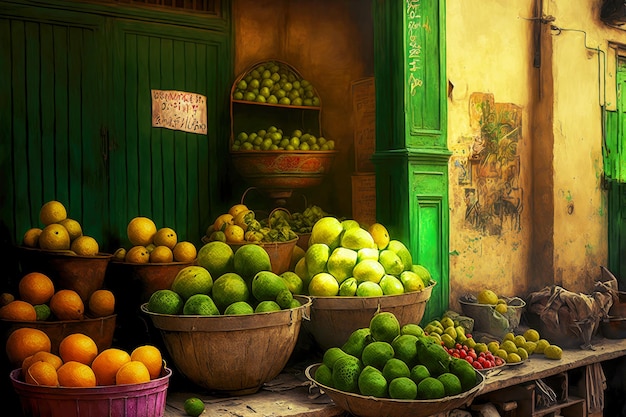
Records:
x=580, y=235
x=488, y=51
x=563, y=237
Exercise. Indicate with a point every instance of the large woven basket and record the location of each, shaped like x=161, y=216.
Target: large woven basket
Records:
x=234, y=354
x=333, y=319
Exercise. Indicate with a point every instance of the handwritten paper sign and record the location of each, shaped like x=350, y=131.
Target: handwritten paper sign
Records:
x=178, y=110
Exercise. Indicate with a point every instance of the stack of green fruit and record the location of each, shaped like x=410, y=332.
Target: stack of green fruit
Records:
x=303, y=222
x=275, y=83
x=385, y=360
x=273, y=139
x=345, y=259
x=243, y=284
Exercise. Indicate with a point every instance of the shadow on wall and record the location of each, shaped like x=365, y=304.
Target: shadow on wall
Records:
x=8, y=260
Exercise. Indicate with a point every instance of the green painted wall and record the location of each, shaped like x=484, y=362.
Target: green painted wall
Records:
x=76, y=111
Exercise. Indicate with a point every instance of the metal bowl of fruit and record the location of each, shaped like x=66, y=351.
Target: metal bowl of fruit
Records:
x=368, y=406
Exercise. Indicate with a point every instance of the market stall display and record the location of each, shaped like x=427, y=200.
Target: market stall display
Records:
x=276, y=141
x=351, y=272
x=386, y=369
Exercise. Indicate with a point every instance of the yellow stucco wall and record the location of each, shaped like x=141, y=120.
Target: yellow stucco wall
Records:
x=580, y=203
x=562, y=237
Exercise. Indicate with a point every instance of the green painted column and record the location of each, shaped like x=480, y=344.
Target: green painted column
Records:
x=411, y=157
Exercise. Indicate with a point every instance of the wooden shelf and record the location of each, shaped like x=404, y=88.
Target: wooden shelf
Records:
x=572, y=401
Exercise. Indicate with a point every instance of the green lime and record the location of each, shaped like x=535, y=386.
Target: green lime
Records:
x=165, y=302
x=43, y=312
x=193, y=406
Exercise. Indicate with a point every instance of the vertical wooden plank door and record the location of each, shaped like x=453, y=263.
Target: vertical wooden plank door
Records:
x=168, y=175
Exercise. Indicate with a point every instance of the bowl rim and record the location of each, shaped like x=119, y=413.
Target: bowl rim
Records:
x=66, y=253
x=305, y=304
x=49, y=323
x=478, y=387
x=371, y=297
x=134, y=264
x=166, y=373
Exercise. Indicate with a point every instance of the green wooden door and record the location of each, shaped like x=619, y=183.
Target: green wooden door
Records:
x=51, y=117
x=615, y=177
x=411, y=144
x=167, y=175
x=75, y=110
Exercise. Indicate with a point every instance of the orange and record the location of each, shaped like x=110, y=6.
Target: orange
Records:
x=161, y=254
x=73, y=228
x=52, y=212
x=67, y=305
x=102, y=303
x=42, y=356
x=133, y=372
x=18, y=310
x=31, y=237
x=222, y=221
x=137, y=255
x=24, y=342
x=234, y=233
x=151, y=357
x=141, y=231
x=85, y=246
x=242, y=218
x=76, y=374
x=78, y=347
x=36, y=288
x=107, y=363
x=42, y=373
x=236, y=209
x=54, y=237
x=165, y=236
x=185, y=252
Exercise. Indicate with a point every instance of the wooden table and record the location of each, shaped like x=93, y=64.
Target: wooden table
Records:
x=289, y=394
x=538, y=367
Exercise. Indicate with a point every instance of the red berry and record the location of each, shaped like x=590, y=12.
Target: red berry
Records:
x=463, y=354
x=456, y=355
x=477, y=365
x=469, y=359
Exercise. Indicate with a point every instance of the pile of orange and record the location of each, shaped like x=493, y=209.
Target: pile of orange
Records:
x=232, y=227
x=39, y=300
x=152, y=245
x=59, y=232
x=79, y=363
